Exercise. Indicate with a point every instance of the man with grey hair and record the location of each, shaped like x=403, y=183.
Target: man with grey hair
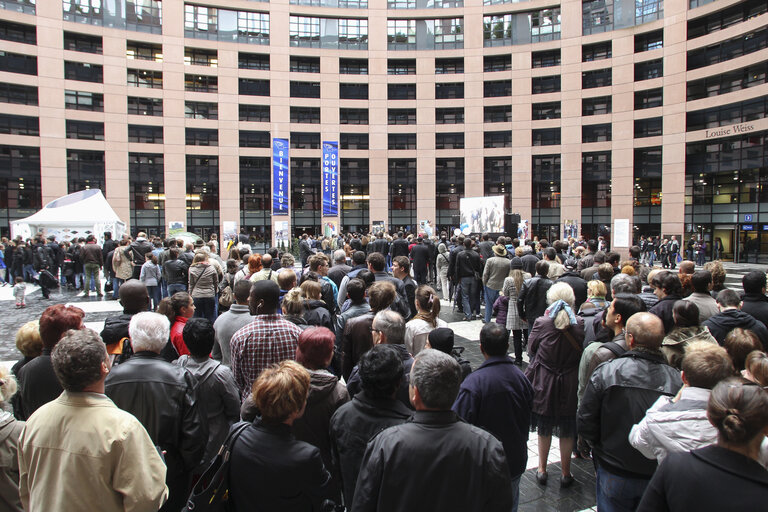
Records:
x=339, y=269
x=388, y=328
x=111, y=463
x=162, y=396
x=435, y=446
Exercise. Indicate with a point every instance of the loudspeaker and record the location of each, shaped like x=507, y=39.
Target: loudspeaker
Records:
x=511, y=220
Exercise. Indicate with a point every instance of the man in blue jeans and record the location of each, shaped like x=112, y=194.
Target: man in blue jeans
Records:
x=468, y=268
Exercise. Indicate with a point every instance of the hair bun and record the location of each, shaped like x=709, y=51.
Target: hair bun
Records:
x=733, y=424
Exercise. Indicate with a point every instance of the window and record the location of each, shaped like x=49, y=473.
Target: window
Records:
x=545, y=84
x=545, y=185
x=201, y=110
x=733, y=113
x=647, y=174
x=500, y=139
x=309, y=115
x=18, y=32
x=497, y=88
x=19, y=182
x=252, y=27
x=596, y=78
x=446, y=140
x=649, y=70
x=497, y=175
x=401, y=34
x=146, y=184
x=202, y=193
x=306, y=200
x=449, y=115
x=448, y=33
x=254, y=139
x=145, y=134
x=86, y=130
x=18, y=63
x=549, y=110
x=498, y=114
x=452, y=66
x=256, y=198
x=201, y=83
x=545, y=59
x=401, y=141
x=401, y=66
x=498, y=30
x=650, y=127
x=19, y=125
x=144, y=16
x=202, y=137
x=82, y=43
x=353, y=66
x=305, y=140
x=83, y=72
x=201, y=57
x=18, y=94
x=353, y=91
x=649, y=41
x=81, y=100
x=254, y=113
x=305, y=64
x=305, y=89
x=258, y=61
x=546, y=137
x=596, y=133
x=145, y=78
x=401, y=116
x=448, y=189
x=449, y=91
x=353, y=34
x=649, y=99
x=353, y=141
x=493, y=63
x=725, y=18
x=723, y=83
x=253, y=87
x=355, y=190
x=595, y=186
x=85, y=170
x=144, y=51
x=401, y=91
x=596, y=51
x=145, y=106
x=728, y=50
x=401, y=181
x=200, y=19
x=596, y=106
x=353, y=116
x=401, y=4
x=304, y=31
x=545, y=25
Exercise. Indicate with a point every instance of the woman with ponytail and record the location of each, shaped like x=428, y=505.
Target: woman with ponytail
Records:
x=554, y=347
x=426, y=319
x=725, y=475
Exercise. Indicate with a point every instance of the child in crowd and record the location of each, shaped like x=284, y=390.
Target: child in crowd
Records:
x=19, y=292
x=596, y=292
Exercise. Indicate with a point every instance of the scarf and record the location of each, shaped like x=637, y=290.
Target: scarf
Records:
x=558, y=306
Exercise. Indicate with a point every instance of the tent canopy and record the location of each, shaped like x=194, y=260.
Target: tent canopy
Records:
x=73, y=216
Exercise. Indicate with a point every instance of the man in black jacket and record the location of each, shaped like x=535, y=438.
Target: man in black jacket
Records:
x=379, y=245
x=163, y=398
x=754, y=300
x=43, y=260
x=139, y=248
x=731, y=317
x=371, y=410
x=575, y=281
x=669, y=290
x=399, y=247
x=420, y=256
x=305, y=251
x=435, y=446
x=175, y=273
x=617, y=396
x=468, y=268
x=532, y=300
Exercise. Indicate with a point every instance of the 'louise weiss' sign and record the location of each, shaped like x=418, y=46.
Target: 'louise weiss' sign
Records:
x=330, y=179
x=280, y=176
x=725, y=131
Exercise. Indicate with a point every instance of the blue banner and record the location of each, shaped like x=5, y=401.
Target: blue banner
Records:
x=330, y=179
x=280, y=170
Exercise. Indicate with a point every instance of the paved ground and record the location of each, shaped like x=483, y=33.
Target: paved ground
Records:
x=581, y=496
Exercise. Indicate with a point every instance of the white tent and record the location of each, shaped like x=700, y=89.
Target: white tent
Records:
x=73, y=216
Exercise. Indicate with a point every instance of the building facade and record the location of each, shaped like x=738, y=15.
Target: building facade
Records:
x=644, y=112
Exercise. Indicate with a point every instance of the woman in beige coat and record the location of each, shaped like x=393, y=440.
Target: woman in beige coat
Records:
x=10, y=430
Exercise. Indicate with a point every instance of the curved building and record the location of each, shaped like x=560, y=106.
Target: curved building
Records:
x=625, y=117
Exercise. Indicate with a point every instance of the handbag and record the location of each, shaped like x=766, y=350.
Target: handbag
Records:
x=211, y=492
x=227, y=297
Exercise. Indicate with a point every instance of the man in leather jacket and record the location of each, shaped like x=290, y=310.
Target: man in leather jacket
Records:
x=532, y=301
x=162, y=396
x=175, y=272
x=139, y=249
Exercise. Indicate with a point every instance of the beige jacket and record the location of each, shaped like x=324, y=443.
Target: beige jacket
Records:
x=122, y=264
x=10, y=430
x=80, y=452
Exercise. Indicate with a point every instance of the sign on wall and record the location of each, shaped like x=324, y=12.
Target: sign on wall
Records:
x=330, y=178
x=280, y=169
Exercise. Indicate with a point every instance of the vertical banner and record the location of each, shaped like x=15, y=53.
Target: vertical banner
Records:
x=280, y=169
x=330, y=179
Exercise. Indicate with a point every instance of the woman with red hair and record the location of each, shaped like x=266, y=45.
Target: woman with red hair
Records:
x=37, y=380
x=254, y=265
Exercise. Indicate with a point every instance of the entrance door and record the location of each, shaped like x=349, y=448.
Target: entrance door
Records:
x=748, y=245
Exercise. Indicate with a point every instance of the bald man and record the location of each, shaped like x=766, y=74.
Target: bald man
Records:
x=617, y=396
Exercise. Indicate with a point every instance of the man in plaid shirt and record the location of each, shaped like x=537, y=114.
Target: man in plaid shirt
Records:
x=267, y=340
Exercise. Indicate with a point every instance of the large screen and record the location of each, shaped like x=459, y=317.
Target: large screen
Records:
x=482, y=214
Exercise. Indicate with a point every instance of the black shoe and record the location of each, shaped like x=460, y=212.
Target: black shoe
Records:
x=541, y=478
x=519, y=362
x=566, y=481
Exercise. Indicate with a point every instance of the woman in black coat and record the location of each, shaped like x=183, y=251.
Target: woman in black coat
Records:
x=723, y=476
x=270, y=469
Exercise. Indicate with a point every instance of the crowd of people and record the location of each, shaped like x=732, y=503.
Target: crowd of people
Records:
x=343, y=388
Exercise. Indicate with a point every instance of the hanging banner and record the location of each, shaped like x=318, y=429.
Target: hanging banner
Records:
x=280, y=162
x=330, y=179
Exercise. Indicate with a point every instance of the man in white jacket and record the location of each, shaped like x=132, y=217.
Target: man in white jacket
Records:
x=680, y=424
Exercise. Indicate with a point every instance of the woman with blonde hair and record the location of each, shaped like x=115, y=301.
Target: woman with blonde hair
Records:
x=427, y=312
x=555, y=346
x=315, y=312
x=10, y=431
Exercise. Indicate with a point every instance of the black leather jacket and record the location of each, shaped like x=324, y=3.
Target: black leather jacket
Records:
x=163, y=399
x=175, y=272
x=617, y=396
x=532, y=301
